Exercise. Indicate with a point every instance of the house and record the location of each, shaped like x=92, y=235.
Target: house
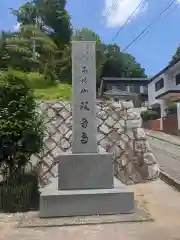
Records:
x=135, y=89
x=164, y=87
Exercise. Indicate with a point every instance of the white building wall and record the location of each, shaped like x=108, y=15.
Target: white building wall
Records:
x=172, y=81
x=152, y=93
x=169, y=83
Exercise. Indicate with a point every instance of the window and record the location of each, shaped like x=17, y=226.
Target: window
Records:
x=121, y=86
x=178, y=79
x=159, y=84
x=132, y=88
x=114, y=87
x=137, y=88
x=108, y=87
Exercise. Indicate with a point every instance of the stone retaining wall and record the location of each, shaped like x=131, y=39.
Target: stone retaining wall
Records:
x=119, y=132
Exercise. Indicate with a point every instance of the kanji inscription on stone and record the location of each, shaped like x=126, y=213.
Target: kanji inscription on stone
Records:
x=84, y=97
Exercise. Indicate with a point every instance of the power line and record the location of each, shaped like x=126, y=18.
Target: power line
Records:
x=110, y=8
x=145, y=30
x=169, y=13
x=108, y=11
x=126, y=22
x=172, y=10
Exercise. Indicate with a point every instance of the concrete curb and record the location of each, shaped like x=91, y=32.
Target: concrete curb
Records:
x=164, y=140
x=170, y=180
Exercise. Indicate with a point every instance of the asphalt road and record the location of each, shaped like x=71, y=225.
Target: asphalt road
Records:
x=168, y=156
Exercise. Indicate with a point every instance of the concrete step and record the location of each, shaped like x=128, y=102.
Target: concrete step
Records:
x=64, y=203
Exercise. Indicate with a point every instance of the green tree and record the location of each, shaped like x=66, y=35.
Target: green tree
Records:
x=21, y=128
x=27, y=14
x=52, y=19
x=86, y=35
x=114, y=64
x=132, y=68
x=4, y=57
x=176, y=55
x=118, y=64
x=30, y=49
x=64, y=65
x=55, y=19
x=50, y=16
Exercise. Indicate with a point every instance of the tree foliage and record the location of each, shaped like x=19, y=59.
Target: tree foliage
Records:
x=41, y=50
x=51, y=16
x=86, y=34
x=42, y=44
x=120, y=64
x=21, y=129
x=110, y=61
x=27, y=14
x=176, y=55
x=20, y=54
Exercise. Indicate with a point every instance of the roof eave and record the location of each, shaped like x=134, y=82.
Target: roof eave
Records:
x=165, y=69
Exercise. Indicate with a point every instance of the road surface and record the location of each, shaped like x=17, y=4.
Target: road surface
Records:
x=168, y=156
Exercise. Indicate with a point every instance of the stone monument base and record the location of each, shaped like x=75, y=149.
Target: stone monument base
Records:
x=66, y=203
x=82, y=171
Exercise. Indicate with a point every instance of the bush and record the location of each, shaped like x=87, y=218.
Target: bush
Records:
x=20, y=194
x=149, y=115
x=21, y=128
x=60, y=92
x=171, y=108
x=2, y=78
x=38, y=81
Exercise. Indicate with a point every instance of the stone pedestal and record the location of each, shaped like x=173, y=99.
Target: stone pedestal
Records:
x=64, y=203
x=85, y=186
x=85, y=171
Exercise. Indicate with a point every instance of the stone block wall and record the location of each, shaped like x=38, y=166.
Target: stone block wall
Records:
x=119, y=132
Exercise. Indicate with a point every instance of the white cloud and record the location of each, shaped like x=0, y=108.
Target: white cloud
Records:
x=16, y=27
x=116, y=12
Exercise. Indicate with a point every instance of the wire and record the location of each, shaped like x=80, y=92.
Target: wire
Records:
x=126, y=22
x=145, y=30
x=110, y=9
x=172, y=10
x=169, y=13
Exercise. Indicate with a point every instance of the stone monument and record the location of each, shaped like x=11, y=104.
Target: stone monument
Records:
x=86, y=183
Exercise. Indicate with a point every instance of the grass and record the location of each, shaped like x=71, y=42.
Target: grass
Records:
x=56, y=92
x=43, y=88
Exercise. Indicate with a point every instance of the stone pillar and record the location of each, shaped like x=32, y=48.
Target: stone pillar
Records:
x=84, y=97
x=85, y=183
x=163, y=106
x=178, y=115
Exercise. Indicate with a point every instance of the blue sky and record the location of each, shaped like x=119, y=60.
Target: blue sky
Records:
x=153, y=52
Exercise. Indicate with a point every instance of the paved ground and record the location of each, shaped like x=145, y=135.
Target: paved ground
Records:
x=167, y=153
x=163, y=136
x=161, y=200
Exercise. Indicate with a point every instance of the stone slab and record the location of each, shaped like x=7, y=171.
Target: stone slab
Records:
x=84, y=97
x=32, y=219
x=85, y=171
x=54, y=203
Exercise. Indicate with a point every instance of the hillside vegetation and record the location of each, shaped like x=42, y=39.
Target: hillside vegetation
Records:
x=41, y=49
